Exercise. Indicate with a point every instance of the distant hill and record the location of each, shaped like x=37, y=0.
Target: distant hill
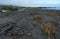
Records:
x=10, y=7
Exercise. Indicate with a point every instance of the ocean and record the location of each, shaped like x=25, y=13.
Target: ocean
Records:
x=52, y=8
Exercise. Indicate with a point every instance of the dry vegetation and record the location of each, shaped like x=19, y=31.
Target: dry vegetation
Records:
x=37, y=18
x=33, y=12
x=49, y=29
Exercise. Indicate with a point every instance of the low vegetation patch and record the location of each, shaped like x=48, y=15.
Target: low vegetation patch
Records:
x=49, y=29
x=37, y=18
x=33, y=12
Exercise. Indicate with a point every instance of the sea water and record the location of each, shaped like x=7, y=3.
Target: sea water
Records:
x=52, y=8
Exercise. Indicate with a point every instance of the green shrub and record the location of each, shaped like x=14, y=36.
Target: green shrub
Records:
x=7, y=7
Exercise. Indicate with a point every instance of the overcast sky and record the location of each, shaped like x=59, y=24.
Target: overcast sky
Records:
x=32, y=3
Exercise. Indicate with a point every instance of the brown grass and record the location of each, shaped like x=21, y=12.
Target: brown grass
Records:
x=48, y=29
x=33, y=12
x=37, y=18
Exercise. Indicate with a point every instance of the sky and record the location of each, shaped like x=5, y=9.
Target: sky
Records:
x=32, y=3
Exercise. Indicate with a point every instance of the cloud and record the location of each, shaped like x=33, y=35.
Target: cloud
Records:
x=31, y=2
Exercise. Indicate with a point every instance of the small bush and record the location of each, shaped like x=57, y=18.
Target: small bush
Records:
x=48, y=29
x=33, y=12
x=37, y=18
